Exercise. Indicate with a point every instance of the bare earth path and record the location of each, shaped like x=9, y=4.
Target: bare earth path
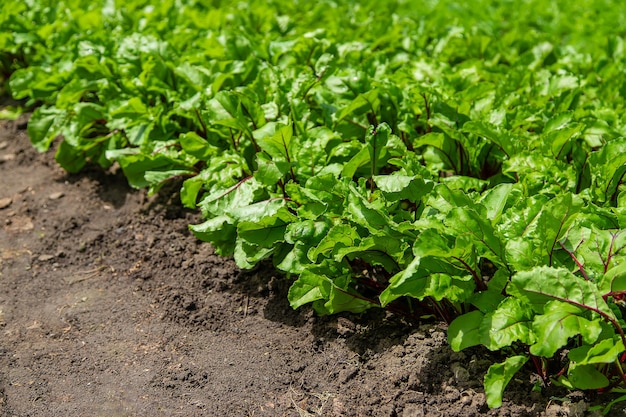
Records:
x=108, y=307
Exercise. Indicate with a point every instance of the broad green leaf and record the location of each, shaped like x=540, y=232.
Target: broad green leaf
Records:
x=237, y=197
x=269, y=172
x=306, y=289
x=586, y=377
x=608, y=166
x=422, y=277
x=479, y=230
x=449, y=199
x=303, y=235
x=136, y=165
x=544, y=227
x=328, y=297
x=559, y=322
x=194, y=145
x=447, y=150
x=359, y=160
x=543, y=284
x=70, y=157
x=402, y=187
x=496, y=199
x=247, y=256
x=490, y=132
x=464, y=331
x=510, y=322
x=362, y=103
x=44, y=125
x=258, y=211
x=341, y=235
x=346, y=300
x=376, y=250
x=219, y=231
x=278, y=145
x=155, y=179
x=605, y=351
x=560, y=138
x=267, y=230
x=190, y=190
x=368, y=214
x=498, y=377
x=225, y=110
x=615, y=279
x=443, y=286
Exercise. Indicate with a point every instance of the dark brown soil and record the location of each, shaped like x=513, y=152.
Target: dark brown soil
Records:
x=109, y=307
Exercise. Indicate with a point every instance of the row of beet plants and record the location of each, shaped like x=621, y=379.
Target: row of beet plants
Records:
x=463, y=163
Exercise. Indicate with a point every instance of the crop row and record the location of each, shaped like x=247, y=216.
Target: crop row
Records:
x=434, y=159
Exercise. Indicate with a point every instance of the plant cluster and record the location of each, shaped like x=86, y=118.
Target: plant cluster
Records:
x=435, y=159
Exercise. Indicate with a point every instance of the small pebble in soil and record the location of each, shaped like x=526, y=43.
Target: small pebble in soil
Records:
x=466, y=398
x=5, y=202
x=45, y=257
x=56, y=196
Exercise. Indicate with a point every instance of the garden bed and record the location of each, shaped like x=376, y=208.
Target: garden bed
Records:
x=110, y=307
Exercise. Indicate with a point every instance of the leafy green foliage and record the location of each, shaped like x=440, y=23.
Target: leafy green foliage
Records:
x=462, y=161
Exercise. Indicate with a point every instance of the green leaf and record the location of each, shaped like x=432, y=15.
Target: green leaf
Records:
x=329, y=296
x=227, y=201
x=44, y=125
x=559, y=322
x=490, y=132
x=498, y=377
x=543, y=284
x=559, y=131
x=269, y=172
x=376, y=250
x=225, y=110
x=402, y=187
x=538, y=240
x=361, y=104
x=196, y=146
x=339, y=236
x=303, y=235
x=219, y=231
x=136, y=165
x=510, y=322
x=616, y=277
x=267, y=230
x=190, y=190
x=465, y=221
x=608, y=166
x=155, y=179
x=586, y=377
x=464, y=331
x=496, y=199
x=605, y=351
x=359, y=160
x=70, y=157
x=371, y=215
x=306, y=289
x=277, y=145
x=443, y=286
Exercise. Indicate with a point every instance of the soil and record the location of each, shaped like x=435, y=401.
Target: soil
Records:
x=110, y=307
